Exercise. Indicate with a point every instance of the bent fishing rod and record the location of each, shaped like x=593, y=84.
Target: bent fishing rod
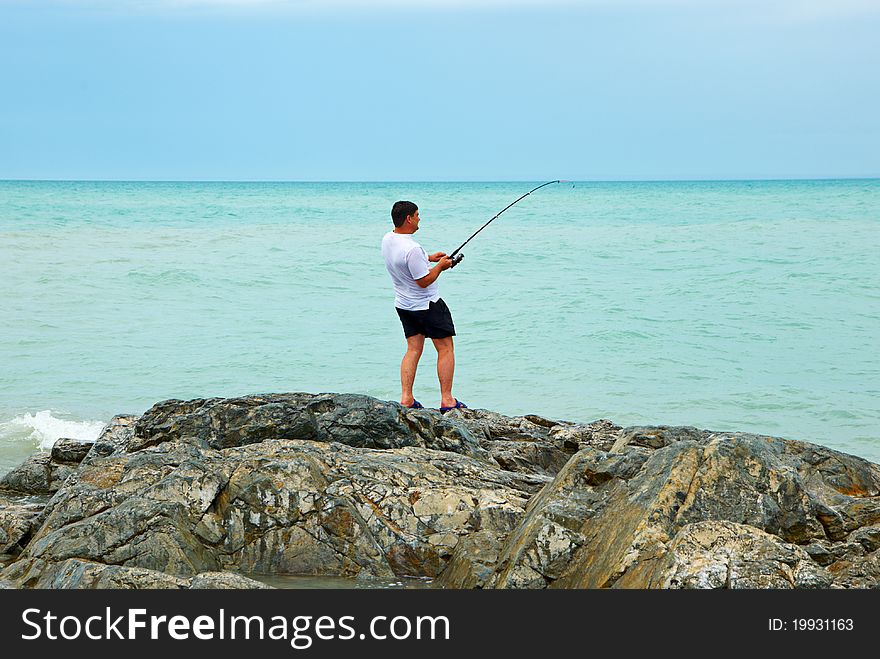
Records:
x=457, y=259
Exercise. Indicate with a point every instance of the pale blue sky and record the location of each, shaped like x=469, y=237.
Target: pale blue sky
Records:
x=454, y=90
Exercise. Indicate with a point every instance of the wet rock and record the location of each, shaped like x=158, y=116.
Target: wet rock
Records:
x=32, y=476
x=44, y=473
x=114, y=438
x=39, y=474
x=71, y=451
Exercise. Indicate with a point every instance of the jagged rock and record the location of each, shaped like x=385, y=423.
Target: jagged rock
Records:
x=192, y=492
x=17, y=521
x=599, y=434
x=44, y=473
x=490, y=425
x=354, y=420
x=609, y=517
x=868, y=537
x=532, y=444
x=528, y=457
x=658, y=436
x=857, y=571
x=115, y=437
x=538, y=551
x=280, y=506
x=472, y=562
x=79, y=574
x=71, y=451
x=39, y=474
x=825, y=552
x=726, y=555
x=32, y=476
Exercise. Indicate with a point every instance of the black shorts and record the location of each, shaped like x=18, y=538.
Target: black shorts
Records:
x=435, y=322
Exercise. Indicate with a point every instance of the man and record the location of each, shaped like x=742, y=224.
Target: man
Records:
x=419, y=306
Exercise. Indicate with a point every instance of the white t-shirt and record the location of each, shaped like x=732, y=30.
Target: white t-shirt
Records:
x=407, y=261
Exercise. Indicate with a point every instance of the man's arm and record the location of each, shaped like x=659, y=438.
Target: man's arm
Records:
x=444, y=263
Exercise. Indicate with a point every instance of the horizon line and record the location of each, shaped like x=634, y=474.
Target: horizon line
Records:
x=517, y=180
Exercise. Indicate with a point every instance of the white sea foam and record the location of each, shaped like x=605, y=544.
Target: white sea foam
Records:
x=46, y=428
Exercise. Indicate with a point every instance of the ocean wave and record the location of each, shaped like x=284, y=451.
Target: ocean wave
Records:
x=172, y=276
x=44, y=429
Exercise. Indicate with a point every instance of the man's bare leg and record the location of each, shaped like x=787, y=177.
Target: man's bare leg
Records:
x=414, y=346
x=445, y=369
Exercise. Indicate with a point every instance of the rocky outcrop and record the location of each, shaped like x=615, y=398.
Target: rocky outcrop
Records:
x=195, y=493
x=280, y=506
x=625, y=519
x=45, y=473
x=354, y=420
x=533, y=444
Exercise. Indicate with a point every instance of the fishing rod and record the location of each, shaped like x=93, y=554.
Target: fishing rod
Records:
x=457, y=259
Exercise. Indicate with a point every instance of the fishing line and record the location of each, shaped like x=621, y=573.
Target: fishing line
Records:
x=457, y=259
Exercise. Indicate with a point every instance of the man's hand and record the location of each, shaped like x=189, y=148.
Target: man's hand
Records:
x=436, y=257
x=444, y=262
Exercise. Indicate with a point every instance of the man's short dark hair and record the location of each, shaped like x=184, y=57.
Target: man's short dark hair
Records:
x=401, y=210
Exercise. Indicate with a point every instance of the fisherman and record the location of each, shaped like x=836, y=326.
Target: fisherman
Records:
x=421, y=310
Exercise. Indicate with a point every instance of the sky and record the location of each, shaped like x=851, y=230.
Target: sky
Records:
x=449, y=90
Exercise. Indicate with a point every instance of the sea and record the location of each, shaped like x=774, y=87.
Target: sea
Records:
x=729, y=305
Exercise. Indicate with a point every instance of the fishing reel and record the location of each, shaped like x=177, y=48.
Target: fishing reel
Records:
x=456, y=260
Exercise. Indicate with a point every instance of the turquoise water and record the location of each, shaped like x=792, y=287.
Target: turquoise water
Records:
x=726, y=305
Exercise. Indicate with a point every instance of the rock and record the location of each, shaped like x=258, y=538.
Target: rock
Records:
x=857, y=571
x=528, y=457
x=726, y=555
x=78, y=574
x=193, y=493
x=39, y=474
x=45, y=473
x=71, y=451
x=608, y=518
x=599, y=434
x=17, y=521
x=279, y=506
x=115, y=437
x=868, y=537
x=225, y=581
x=657, y=436
x=354, y=420
x=32, y=476
x=541, y=547
x=472, y=562
x=533, y=444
